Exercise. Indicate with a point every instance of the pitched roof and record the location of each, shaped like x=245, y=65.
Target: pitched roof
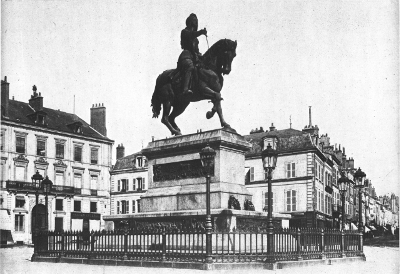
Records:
x=126, y=162
x=19, y=112
x=288, y=140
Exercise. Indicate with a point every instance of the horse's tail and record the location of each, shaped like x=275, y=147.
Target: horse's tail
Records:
x=159, y=94
x=155, y=99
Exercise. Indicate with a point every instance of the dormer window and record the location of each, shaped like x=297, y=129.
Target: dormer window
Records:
x=39, y=118
x=76, y=127
x=139, y=161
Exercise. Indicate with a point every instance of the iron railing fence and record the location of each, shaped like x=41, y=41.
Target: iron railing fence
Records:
x=290, y=244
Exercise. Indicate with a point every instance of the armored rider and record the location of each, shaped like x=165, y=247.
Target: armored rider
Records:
x=190, y=55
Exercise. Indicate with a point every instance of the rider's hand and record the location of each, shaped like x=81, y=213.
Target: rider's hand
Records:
x=204, y=31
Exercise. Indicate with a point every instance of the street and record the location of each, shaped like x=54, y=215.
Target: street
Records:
x=17, y=260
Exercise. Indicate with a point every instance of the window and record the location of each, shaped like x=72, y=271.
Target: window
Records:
x=134, y=184
x=93, y=181
x=77, y=205
x=133, y=206
x=291, y=200
x=41, y=147
x=20, y=173
x=125, y=207
x=78, y=153
x=139, y=161
x=59, y=204
x=94, y=155
x=291, y=170
x=19, y=222
x=19, y=201
x=59, y=178
x=118, y=212
x=2, y=140
x=322, y=202
x=93, y=206
x=125, y=185
x=326, y=204
x=77, y=180
x=20, y=144
x=251, y=174
x=265, y=208
x=141, y=183
x=59, y=151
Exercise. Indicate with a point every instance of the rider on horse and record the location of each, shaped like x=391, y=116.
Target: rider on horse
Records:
x=190, y=55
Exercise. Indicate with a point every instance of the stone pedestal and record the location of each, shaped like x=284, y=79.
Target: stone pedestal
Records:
x=176, y=178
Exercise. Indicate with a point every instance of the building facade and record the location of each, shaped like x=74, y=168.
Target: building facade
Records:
x=75, y=155
x=128, y=183
x=305, y=180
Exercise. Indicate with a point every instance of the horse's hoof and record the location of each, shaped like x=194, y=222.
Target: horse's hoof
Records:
x=209, y=114
x=227, y=127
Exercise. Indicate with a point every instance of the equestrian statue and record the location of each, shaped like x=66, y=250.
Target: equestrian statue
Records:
x=197, y=77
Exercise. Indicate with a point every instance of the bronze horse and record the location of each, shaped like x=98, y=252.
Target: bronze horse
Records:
x=207, y=85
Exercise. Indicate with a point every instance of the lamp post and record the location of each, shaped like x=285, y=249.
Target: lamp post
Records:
x=207, y=156
x=359, y=178
x=269, y=157
x=47, y=184
x=37, y=178
x=342, y=190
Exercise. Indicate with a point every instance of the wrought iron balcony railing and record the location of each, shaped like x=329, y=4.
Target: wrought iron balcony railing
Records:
x=55, y=189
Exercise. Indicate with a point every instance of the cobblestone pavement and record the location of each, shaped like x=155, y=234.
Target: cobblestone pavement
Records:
x=17, y=260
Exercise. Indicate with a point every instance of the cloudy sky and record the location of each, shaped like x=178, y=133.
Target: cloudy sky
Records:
x=340, y=57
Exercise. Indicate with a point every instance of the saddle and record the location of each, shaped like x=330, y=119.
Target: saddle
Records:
x=176, y=78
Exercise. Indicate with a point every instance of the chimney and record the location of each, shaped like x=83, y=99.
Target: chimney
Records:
x=272, y=128
x=98, y=118
x=5, y=97
x=325, y=140
x=312, y=130
x=120, y=151
x=351, y=163
x=36, y=101
x=309, y=117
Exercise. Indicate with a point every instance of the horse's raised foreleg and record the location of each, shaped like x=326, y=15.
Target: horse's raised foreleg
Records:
x=165, y=118
x=216, y=100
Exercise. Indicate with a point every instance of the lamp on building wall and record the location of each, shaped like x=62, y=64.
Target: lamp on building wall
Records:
x=342, y=190
x=269, y=157
x=359, y=178
x=207, y=156
x=47, y=184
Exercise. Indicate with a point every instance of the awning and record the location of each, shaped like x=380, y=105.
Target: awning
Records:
x=372, y=227
x=353, y=227
x=367, y=229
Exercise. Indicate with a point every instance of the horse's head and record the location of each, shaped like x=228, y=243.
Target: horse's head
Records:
x=225, y=55
x=222, y=53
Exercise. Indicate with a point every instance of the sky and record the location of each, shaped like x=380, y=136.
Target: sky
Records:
x=340, y=57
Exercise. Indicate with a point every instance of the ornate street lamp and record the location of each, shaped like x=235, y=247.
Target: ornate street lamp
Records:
x=37, y=179
x=269, y=157
x=207, y=156
x=47, y=184
x=359, y=178
x=342, y=190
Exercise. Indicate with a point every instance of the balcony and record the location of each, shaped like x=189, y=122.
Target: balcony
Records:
x=19, y=186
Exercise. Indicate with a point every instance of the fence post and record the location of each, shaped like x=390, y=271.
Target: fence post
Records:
x=62, y=253
x=91, y=239
x=323, y=256
x=342, y=247
x=125, y=257
x=298, y=234
x=164, y=245
x=360, y=245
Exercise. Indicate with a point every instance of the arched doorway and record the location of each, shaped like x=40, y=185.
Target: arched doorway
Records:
x=38, y=218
